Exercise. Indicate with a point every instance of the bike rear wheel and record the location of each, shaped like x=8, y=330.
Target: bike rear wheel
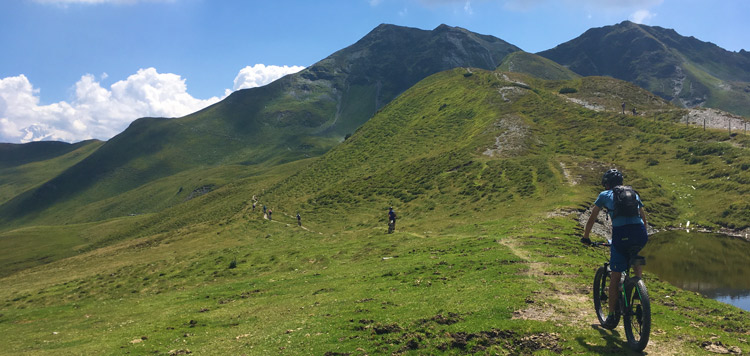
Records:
x=638, y=315
x=601, y=295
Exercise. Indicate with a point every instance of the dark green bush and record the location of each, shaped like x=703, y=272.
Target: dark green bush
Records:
x=568, y=90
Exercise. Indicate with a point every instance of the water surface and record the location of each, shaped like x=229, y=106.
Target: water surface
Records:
x=717, y=266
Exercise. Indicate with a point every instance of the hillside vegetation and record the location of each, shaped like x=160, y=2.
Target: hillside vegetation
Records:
x=299, y=116
x=488, y=171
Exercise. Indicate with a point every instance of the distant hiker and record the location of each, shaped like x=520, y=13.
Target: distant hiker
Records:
x=264, y=209
x=391, y=220
x=635, y=113
x=269, y=214
x=629, y=233
x=299, y=219
x=623, y=108
x=253, y=206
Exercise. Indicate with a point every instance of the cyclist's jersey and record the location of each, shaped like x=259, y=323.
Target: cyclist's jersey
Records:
x=606, y=200
x=392, y=215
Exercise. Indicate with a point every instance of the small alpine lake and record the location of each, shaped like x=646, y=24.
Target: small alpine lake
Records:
x=717, y=266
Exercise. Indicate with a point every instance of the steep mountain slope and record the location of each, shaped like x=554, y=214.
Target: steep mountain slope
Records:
x=26, y=166
x=684, y=70
x=13, y=155
x=490, y=139
x=298, y=116
x=536, y=66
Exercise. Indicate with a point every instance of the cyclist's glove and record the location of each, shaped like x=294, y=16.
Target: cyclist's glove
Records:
x=586, y=240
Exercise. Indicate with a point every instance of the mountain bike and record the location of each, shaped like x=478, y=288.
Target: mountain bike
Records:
x=633, y=304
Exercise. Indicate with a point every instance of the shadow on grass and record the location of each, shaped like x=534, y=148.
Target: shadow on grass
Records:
x=615, y=344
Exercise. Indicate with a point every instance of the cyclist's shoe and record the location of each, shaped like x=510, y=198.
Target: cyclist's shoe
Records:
x=586, y=241
x=610, y=323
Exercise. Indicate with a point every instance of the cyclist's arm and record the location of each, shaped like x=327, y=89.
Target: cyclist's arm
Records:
x=643, y=216
x=589, y=224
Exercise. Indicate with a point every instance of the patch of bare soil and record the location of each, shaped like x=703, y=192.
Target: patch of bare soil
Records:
x=718, y=348
x=714, y=118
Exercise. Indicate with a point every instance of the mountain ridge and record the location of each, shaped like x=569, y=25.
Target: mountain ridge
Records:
x=683, y=70
x=298, y=116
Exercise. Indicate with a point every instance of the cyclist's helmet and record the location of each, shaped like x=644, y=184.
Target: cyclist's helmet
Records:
x=612, y=177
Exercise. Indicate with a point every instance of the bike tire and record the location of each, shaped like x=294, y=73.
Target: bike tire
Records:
x=637, y=318
x=601, y=295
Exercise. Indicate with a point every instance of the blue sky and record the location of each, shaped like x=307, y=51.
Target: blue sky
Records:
x=78, y=69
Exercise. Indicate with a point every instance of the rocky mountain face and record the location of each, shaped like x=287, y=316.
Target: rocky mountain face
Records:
x=684, y=70
x=360, y=79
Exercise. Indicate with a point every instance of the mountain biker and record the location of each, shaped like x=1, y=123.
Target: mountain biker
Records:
x=391, y=220
x=627, y=232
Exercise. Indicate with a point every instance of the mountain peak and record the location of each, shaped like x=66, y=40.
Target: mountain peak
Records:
x=687, y=71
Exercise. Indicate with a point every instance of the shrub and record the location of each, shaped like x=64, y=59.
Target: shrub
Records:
x=568, y=90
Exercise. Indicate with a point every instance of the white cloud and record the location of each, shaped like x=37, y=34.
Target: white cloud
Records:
x=99, y=112
x=642, y=16
x=96, y=112
x=375, y=2
x=467, y=8
x=260, y=75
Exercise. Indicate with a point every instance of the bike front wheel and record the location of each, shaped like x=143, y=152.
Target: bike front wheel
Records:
x=601, y=295
x=638, y=315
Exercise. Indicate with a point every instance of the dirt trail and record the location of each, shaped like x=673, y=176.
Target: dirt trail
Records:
x=563, y=303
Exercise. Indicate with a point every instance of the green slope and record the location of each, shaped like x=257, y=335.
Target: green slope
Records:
x=25, y=167
x=487, y=170
x=299, y=116
x=536, y=66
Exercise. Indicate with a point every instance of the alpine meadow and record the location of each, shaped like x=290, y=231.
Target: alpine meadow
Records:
x=155, y=242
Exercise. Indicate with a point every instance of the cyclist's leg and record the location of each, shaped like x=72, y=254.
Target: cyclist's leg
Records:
x=638, y=270
x=617, y=264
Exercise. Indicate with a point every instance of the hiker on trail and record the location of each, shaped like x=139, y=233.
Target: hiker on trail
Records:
x=269, y=213
x=391, y=220
x=629, y=233
x=264, y=209
x=635, y=113
x=299, y=219
x=253, y=206
x=623, y=108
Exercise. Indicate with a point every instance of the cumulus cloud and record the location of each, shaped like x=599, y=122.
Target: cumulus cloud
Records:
x=642, y=16
x=96, y=112
x=260, y=75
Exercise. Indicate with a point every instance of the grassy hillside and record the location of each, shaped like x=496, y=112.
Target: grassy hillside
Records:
x=487, y=171
x=299, y=116
x=536, y=66
x=25, y=167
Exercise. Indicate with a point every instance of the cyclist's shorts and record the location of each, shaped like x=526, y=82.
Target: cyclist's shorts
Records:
x=623, y=238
